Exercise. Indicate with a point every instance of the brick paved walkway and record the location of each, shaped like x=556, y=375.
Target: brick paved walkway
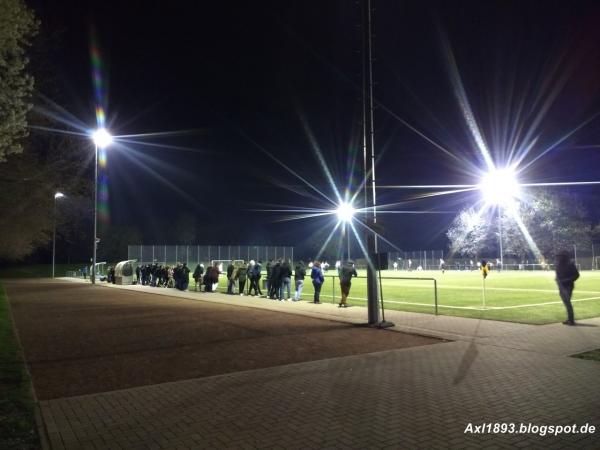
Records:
x=422, y=397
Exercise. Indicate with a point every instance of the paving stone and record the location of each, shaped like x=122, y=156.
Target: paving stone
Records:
x=421, y=397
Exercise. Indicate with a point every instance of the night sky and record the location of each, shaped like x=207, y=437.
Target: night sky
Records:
x=244, y=77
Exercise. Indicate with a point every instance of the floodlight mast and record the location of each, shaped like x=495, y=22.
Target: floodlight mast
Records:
x=500, y=187
x=373, y=290
x=345, y=212
x=102, y=139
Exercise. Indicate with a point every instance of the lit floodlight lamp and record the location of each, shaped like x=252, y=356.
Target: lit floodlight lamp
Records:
x=499, y=187
x=102, y=138
x=59, y=195
x=345, y=212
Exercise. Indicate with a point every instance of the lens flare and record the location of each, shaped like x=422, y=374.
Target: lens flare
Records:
x=345, y=212
x=500, y=187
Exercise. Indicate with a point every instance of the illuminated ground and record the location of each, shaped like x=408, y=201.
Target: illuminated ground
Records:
x=418, y=397
x=80, y=340
x=526, y=297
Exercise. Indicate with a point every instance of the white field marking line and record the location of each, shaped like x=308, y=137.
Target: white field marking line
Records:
x=542, y=304
x=445, y=286
x=476, y=308
x=411, y=303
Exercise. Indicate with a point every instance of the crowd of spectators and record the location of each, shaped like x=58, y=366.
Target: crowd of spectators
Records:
x=155, y=275
x=245, y=279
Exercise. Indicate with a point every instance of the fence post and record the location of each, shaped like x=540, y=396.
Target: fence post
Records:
x=332, y=291
x=436, y=296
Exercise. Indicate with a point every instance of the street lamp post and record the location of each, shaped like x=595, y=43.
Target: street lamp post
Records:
x=102, y=139
x=56, y=196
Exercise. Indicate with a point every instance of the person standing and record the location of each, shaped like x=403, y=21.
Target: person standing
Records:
x=251, y=277
x=275, y=281
x=269, y=267
x=316, y=274
x=198, y=272
x=212, y=277
x=299, y=274
x=254, y=275
x=240, y=275
x=346, y=272
x=566, y=275
x=257, y=276
x=230, y=281
x=286, y=281
x=185, y=277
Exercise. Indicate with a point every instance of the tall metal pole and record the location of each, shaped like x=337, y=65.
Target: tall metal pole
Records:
x=500, y=237
x=95, y=213
x=348, y=238
x=54, y=236
x=369, y=164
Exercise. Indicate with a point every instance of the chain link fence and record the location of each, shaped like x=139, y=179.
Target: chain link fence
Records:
x=195, y=254
x=587, y=259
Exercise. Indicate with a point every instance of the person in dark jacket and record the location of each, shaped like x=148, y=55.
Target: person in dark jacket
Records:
x=286, y=281
x=566, y=275
x=258, y=276
x=346, y=272
x=213, y=277
x=317, y=279
x=269, y=268
x=299, y=274
x=177, y=276
x=185, y=277
x=251, y=277
x=111, y=275
x=275, y=281
x=138, y=274
x=241, y=274
x=198, y=272
x=230, y=280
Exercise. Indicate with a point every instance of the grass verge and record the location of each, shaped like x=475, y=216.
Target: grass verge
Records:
x=37, y=270
x=17, y=423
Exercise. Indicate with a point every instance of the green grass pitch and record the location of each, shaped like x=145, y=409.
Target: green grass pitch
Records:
x=526, y=297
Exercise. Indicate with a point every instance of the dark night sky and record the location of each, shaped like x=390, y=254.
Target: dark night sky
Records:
x=244, y=74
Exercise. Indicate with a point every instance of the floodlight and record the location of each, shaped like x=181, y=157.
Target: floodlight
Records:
x=102, y=138
x=499, y=187
x=345, y=212
x=59, y=195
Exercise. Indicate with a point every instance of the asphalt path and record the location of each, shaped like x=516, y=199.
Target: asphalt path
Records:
x=81, y=339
